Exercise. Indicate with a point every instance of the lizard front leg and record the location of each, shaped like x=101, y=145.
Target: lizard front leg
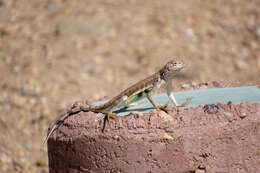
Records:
x=172, y=98
x=158, y=84
x=158, y=107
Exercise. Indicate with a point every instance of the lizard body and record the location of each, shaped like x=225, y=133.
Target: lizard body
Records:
x=144, y=88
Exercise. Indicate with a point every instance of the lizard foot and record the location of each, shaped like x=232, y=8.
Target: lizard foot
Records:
x=163, y=108
x=188, y=100
x=106, y=119
x=112, y=115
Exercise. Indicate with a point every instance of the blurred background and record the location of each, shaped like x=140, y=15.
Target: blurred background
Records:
x=54, y=52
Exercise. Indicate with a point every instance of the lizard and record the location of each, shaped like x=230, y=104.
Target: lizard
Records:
x=132, y=95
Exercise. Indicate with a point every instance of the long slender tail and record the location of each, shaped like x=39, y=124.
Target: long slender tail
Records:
x=55, y=126
x=77, y=107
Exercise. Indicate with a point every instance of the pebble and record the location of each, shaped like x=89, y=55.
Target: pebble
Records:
x=185, y=86
x=167, y=136
x=166, y=117
x=241, y=65
x=193, y=84
x=216, y=84
x=5, y=158
x=242, y=115
x=189, y=32
x=229, y=116
x=200, y=171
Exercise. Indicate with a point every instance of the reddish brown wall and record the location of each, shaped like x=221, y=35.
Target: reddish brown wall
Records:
x=225, y=138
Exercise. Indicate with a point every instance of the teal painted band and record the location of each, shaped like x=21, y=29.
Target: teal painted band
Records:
x=200, y=97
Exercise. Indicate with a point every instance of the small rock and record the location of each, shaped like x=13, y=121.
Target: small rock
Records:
x=229, y=116
x=241, y=65
x=167, y=136
x=203, y=84
x=216, y=84
x=5, y=158
x=200, y=171
x=242, y=115
x=193, y=84
x=189, y=32
x=166, y=117
x=185, y=86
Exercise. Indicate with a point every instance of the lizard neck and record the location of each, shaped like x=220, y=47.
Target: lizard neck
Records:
x=166, y=75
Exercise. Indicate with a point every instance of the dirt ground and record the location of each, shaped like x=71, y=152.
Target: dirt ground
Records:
x=54, y=52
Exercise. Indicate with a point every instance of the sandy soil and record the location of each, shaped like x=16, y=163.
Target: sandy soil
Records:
x=53, y=53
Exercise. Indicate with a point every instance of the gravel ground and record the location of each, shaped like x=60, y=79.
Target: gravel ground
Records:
x=54, y=52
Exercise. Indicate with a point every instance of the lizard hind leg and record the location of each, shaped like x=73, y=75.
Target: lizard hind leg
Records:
x=185, y=103
x=109, y=113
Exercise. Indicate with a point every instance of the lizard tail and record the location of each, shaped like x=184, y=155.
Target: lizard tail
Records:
x=55, y=126
x=77, y=107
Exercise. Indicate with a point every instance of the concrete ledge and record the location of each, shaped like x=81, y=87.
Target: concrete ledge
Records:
x=214, y=138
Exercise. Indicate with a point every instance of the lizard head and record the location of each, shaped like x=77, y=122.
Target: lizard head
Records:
x=171, y=68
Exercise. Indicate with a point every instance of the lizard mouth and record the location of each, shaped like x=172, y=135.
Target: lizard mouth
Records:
x=180, y=67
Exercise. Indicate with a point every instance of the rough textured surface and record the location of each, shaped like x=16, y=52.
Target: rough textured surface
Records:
x=210, y=138
x=55, y=52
